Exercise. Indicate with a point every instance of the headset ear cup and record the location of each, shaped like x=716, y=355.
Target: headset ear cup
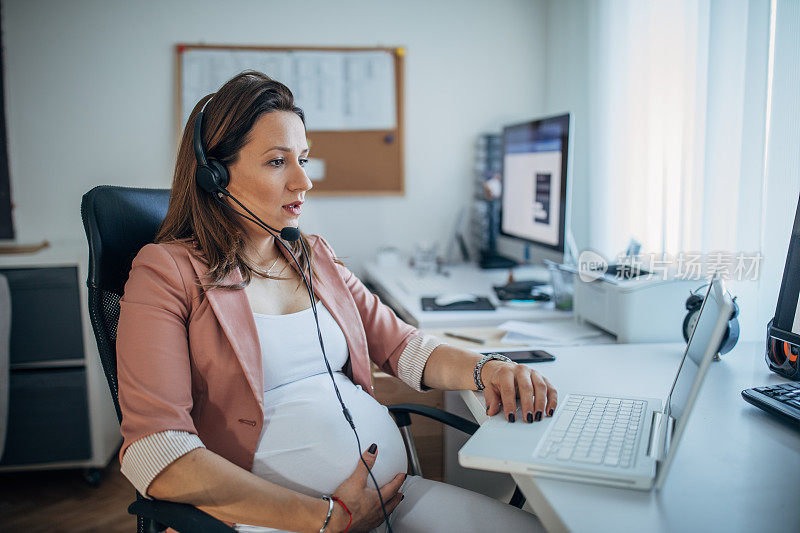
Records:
x=730, y=338
x=685, y=328
x=223, y=179
x=206, y=179
x=732, y=332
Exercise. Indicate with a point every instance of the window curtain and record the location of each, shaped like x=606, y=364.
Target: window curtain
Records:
x=647, y=67
x=690, y=118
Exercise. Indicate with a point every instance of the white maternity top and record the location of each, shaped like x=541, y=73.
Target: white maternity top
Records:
x=306, y=443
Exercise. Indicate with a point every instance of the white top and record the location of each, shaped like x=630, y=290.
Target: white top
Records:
x=146, y=457
x=306, y=444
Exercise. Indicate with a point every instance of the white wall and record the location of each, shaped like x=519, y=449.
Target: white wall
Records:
x=566, y=78
x=565, y=89
x=90, y=84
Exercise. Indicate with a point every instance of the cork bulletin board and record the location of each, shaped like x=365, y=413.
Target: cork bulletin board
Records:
x=352, y=99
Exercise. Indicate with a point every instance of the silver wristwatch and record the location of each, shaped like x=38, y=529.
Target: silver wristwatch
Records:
x=485, y=359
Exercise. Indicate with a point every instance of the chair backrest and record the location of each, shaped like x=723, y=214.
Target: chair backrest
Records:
x=119, y=221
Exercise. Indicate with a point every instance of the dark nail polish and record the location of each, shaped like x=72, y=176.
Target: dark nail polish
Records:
x=373, y=448
x=530, y=417
x=550, y=413
x=487, y=408
x=538, y=415
x=511, y=417
x=402, y=496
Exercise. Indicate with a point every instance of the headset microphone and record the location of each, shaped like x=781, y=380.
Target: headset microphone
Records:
x=290, y=234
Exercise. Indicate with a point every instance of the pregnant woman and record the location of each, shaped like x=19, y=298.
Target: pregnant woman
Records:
x=226, y=398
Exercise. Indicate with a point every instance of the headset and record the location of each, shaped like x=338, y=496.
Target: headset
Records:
x=212, y=176
x=693, y=305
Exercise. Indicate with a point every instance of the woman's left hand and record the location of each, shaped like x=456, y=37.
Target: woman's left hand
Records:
x=505, y=382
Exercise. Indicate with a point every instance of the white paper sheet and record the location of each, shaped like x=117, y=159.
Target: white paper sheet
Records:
x=548, y=332
x=339, y=91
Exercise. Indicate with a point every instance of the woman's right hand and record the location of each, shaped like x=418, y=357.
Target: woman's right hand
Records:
x=362, y=500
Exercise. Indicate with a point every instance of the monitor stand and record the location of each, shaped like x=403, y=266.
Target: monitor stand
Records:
x=491, y=259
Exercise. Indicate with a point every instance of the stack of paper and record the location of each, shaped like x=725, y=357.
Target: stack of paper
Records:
x=549, y=332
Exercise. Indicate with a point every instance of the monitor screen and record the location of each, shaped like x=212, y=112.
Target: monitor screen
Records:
x=787, y=314
x=534, y=199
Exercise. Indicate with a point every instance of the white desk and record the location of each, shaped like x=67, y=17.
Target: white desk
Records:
x=737, y=467
x=399, y=288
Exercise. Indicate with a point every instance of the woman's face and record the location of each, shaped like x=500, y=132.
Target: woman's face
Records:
x=268, y=176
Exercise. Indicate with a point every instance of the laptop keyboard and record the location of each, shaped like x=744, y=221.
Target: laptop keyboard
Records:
x=595, y=430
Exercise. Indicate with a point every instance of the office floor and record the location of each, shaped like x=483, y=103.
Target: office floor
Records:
x=61, y=501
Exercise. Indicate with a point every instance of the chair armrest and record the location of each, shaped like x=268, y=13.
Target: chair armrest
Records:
x=401, y=412
x=181, y=517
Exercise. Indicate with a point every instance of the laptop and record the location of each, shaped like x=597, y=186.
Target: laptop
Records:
x=608, y=439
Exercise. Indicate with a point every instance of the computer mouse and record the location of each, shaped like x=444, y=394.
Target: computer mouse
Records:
x=455, y=298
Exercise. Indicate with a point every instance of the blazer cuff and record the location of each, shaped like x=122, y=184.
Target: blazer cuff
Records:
x=145, y=458
x=412, y=361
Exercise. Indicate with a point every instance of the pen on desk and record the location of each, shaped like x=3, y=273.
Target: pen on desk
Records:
x=465, y=337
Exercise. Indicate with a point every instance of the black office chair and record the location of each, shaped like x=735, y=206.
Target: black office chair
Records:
x=119, y=221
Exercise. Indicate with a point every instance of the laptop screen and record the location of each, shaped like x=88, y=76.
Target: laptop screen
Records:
x=703, y=344
x=696, y=350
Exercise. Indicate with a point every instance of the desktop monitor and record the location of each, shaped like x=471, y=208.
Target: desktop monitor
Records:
x=535, y=185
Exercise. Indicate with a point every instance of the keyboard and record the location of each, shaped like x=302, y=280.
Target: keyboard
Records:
x=595, y=430
x=782, y=399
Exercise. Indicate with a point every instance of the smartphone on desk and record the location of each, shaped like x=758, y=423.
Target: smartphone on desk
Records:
x=528, y=356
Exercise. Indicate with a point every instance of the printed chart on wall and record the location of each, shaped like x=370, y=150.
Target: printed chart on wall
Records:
x=350, y=98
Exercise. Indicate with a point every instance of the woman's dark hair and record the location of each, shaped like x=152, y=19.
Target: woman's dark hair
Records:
x=194, y=217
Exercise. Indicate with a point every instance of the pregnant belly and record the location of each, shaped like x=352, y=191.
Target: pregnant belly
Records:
x=308, y=446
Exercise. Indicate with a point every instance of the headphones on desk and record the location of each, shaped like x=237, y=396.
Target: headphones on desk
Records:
x=693, y=305
x=782, y=356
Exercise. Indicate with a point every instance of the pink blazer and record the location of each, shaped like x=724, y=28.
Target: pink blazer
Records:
x=190, y=360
